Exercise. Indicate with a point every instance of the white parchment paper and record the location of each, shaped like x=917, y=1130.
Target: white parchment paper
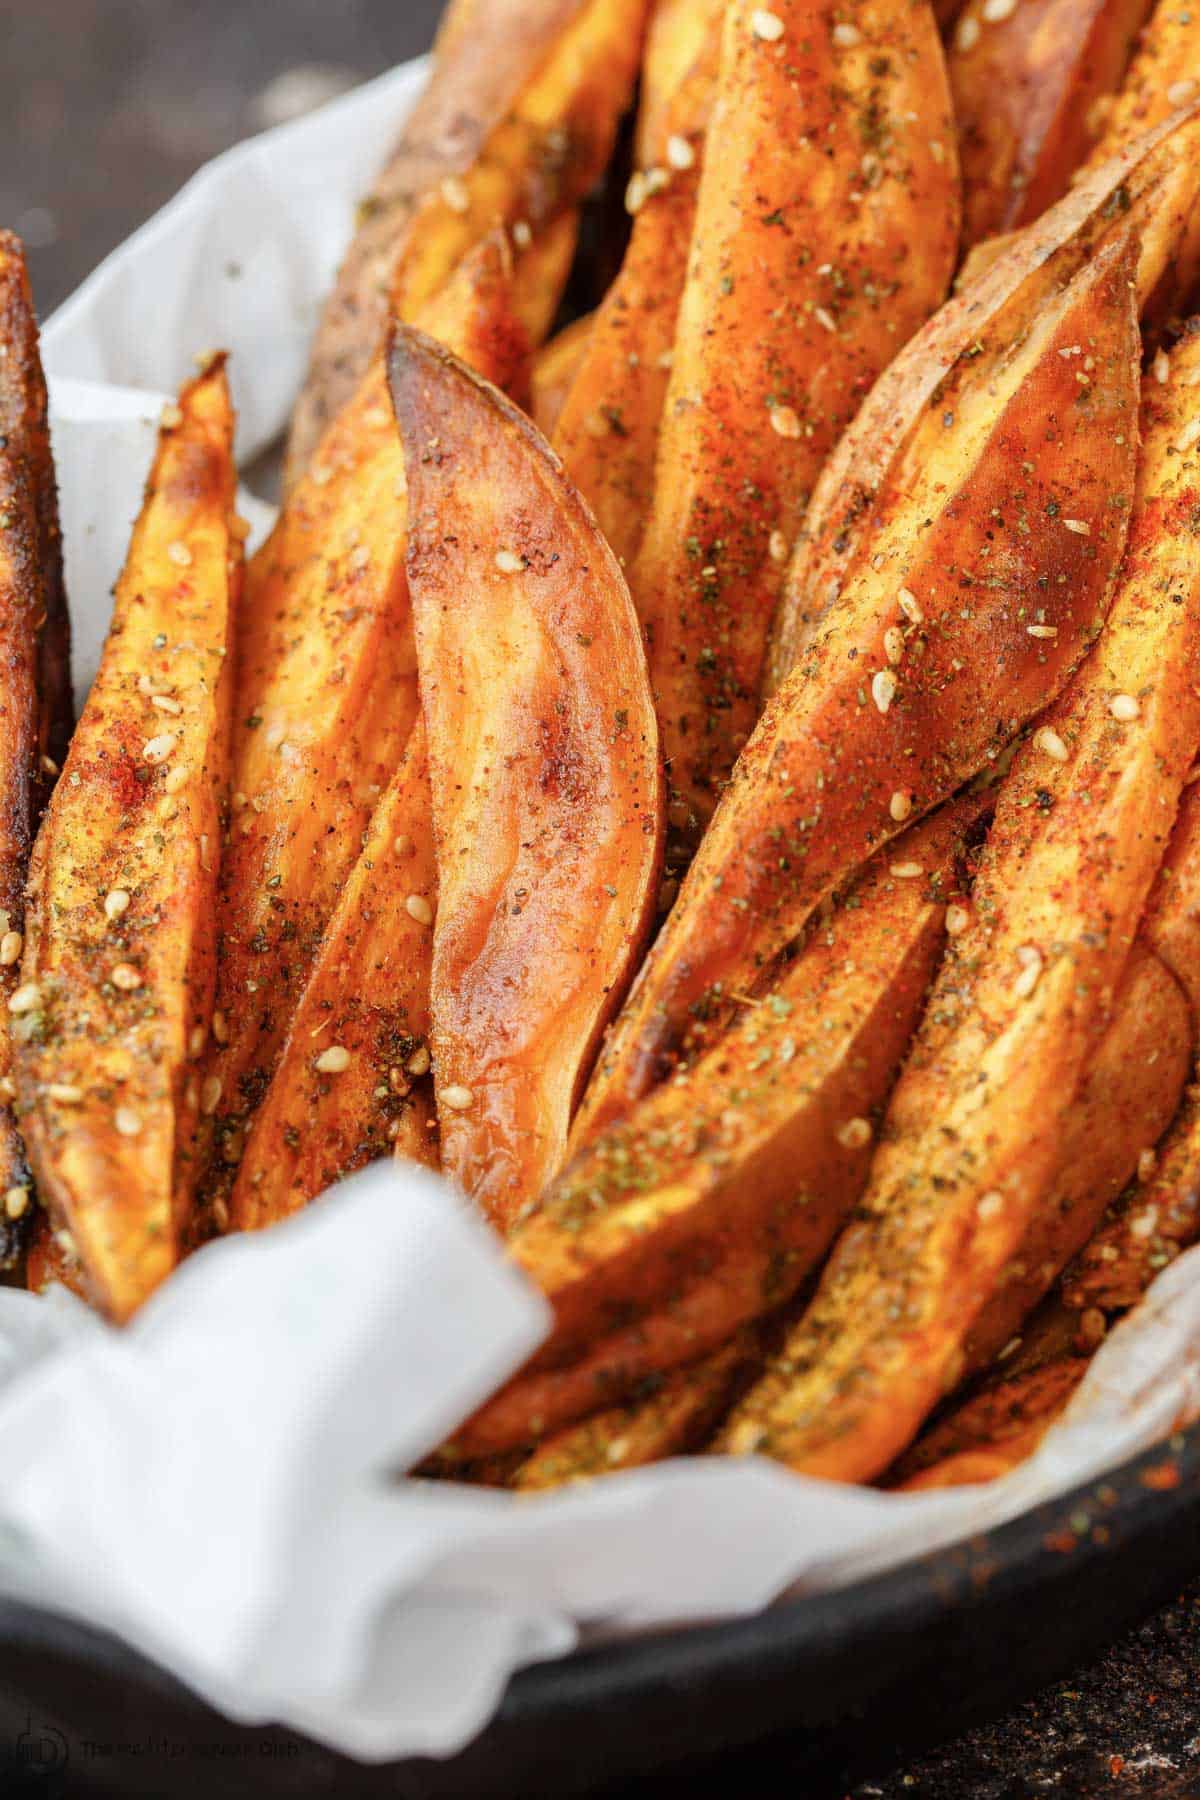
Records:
x=219, y=1482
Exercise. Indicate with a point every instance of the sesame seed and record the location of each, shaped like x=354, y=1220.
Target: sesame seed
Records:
x=458, y=1099
x=635, y=193
x=1093, y=1327
x=66, y=1243
x=11, y=946
x=1030, y=960
x=196, y=1040
x=665, y=359
x=320, y=474
x=824, y=318
x=846, y=36
x=419, y=1062
x=784, y=421
x=900, y=805
x=1080, y=527
x=116, y=902
x=680, y=153
x=1042, y=631
x=767, y=26
x=1146, y=1164
x=157, y=749
x=1162, y=367
x=64, y=1092
x=170, y=416
x=402, y=844
x=417, y=907
x=16, y=1202
x=220, y=1213
x=883, y=689
x=210, y=1095
x=967, y=35
x=1124, y=708
x=48, y=764
x=595, y=424
x=906, y=871
x=996, y=11
x=910, y=606
x=656, y=181
x=125, y=976
x=1145, y=1224
x=455, y=195
x=127, y=1122
x=176, y=778
x=853, y=1134
x=26, y=998
x=220, y=1027
x=893, y=644
x=334, y=1061
x=1188, y=435
x=522, y=234
x=777, y=545
x=988, y=1205
x=179, y=554
x=957, y=920
x=1050, y=744
x=1180, y=92
x=508, y=562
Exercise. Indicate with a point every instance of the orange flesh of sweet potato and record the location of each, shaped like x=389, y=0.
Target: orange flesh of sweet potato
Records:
x=714, y=1200
x=326, y=701
x=544, y=771
x=344, y=1092
x=30, y=581
x=824, y=235
x=118, y=971
x=675, y=36
x=608, y=430
x=1025, y=92
x=1163, y=76
x=1126, y=1101
x=554, y=369
x=676, y=1415
x=1146, y=192
x=516, y=124
x=1015, y=515
x=1080, y=829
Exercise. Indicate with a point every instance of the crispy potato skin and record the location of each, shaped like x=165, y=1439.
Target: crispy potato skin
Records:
x=554, y=370
x=1070, y=860
x=1147, y=191
x=544, y=771
x=1025, y=91
x=608, y=431
x=106, y=1047
x=994, y=470
x=805, y=276
x=515, y=126
x=367, y=995
x=30, y=590
x=676, y=1416
x=326, y=702
x=711, y=1204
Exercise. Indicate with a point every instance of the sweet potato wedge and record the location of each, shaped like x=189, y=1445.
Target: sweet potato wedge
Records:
x=1026, y=88
x=32, y=607
x=994, y=1430
x=352, y=1082
x=676, y=33
x=824, y=236
x=554, y=369
x=1014, y=516
x=677, y=1414
x=608, y=431
x=1149, y=190
x=117, y=977
x=515, y=126
x=1081, y=826
x=326, y=701
x=544, y=771
x=716, y=1198
x=1163, y=76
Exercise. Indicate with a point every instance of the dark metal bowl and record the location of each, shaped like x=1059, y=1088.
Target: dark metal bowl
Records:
x=843, y=1683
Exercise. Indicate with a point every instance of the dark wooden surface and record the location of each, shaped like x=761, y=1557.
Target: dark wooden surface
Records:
x=109, y=105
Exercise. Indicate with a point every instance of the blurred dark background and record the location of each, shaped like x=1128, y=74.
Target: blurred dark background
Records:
x=109, y=106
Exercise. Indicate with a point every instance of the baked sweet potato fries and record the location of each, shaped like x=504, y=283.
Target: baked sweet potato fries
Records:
x=719, y=781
